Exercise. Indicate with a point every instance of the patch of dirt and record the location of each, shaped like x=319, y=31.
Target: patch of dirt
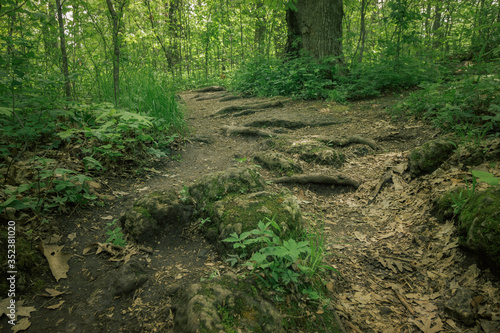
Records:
x=399, y=265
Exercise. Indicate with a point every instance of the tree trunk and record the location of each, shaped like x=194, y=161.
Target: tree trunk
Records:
x=116, y=17
x=67, y=82
x=316, y=26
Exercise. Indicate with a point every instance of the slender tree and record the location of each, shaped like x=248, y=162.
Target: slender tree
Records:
x=64, y=55
x=116, y=21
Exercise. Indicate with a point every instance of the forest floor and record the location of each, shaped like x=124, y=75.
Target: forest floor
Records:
x=398, y=265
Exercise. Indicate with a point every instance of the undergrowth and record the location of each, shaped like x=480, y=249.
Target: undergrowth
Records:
x=469, y=102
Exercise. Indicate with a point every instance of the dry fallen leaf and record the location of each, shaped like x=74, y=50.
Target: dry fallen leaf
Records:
x=58, y=262
x=53, y=292
x=55, y=306
x=21, y=325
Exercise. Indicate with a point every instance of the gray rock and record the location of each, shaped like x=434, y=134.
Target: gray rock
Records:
x=459, y=306
x=128, y=277
x=225, y=303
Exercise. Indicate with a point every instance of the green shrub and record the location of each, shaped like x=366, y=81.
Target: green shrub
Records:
x=301, y=77
x=462, y=104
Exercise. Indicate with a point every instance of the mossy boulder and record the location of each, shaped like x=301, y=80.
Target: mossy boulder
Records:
x=225, y=304
x=428, y=157
x=479, y=225
x=215, y=186
x=277, y=162
x=243, y=212
x=152, y=214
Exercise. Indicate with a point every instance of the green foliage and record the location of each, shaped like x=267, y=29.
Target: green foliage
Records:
x=483, y=176
x=280, y=264
x=52, y=189
x=115, y=233
x=366, y=80
x=301, y=77
x=458, y=105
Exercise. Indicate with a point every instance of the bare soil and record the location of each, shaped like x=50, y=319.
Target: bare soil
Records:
x=398, y=265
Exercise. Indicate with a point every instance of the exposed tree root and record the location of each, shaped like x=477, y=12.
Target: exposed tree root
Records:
x=231, y=98
x=246, y=131
x=350, y=140
x=253, y=107
x=204, y=97
x=316, y=178
x=210, y=89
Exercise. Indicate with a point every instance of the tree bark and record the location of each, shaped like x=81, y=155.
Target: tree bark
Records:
x=64, y=55
x=116, y=18
x=316, y=27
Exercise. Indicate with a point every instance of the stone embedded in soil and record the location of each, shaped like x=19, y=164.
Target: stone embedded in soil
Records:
x=243, y=212
x=128, y=278
x=151, y=214
x=428, y=157
x=215, y=186
x=459, y=306
x=277, y=162
x=225, y=303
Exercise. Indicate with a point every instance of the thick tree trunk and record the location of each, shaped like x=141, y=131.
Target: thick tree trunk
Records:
x=316, y=26
x=64, y=55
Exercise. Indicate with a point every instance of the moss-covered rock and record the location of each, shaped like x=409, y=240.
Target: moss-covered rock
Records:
x=225, y=304
x=428, y=157
x=479, y=225
x=277, y=162
x=243, y=213
x=216, y=186
x=153, y=213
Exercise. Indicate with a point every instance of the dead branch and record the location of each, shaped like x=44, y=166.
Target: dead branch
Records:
x=385, y=178
x=318, y=179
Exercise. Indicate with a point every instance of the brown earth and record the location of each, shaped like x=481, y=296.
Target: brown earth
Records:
x=398, y=265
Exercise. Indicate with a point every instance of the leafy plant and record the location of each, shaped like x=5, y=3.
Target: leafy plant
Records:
x=279, y=264
x=483, y=176
x=115, y=234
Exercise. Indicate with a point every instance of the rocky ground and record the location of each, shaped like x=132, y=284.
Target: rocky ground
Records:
x=401, y=269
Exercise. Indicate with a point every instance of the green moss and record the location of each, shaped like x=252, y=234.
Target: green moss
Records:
x=479, y=225
x=248, y=212
x=143, y=211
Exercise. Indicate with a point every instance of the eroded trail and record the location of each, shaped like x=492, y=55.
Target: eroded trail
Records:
x=398, y=265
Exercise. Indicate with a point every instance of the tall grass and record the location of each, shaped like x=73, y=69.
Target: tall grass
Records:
x=148, y=93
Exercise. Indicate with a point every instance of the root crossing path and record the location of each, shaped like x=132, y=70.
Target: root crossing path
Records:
x=398, y=265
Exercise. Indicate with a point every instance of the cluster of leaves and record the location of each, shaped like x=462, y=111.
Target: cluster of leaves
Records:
x=280, y=264
x=115, y=234
x=459, y=105
x=301, y=77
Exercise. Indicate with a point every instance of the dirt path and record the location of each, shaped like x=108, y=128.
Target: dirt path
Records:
x=398, y=264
